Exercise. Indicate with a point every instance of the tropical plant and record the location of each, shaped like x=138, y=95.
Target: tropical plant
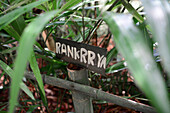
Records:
x=134, y=34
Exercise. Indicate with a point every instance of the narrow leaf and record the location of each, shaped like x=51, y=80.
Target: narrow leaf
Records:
x=116, y=67
x=12, y=32
x=10, y=72
x=14, y=6
x=26, y=46
x=70, y=4
x=9, y=17
x=19, y=25
x=112, y=53
x=36, y=71
x=158, y=15
x=130, y=42
x=8, y=50
x=24, y=51
x=131, y=10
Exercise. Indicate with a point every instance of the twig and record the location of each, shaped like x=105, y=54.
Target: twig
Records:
x=91, y=33
x=83, y=13
x=113, y=5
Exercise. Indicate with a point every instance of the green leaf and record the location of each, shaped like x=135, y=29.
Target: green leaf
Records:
x=10, y=72
x=70, y=4
x=116, y=67
x=160, y=25
x=14, y=6
x=4, y=112
x=112, y=53
x=11, y=16
x=26, y=90
x=131, y=10
x=54, y=4
x=14, y=1
x=131, y=44
x=36, y=71
x=32, y=108
x=58, y=3
x=26, y=46
x=24, y=51
x=11, y=31
x=19, y=25
x=148, y=39
x=8, y=50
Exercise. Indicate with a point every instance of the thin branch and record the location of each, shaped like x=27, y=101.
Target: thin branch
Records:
x=91, y=33
x=113, y=5
x=93, y=92
x=83, y=14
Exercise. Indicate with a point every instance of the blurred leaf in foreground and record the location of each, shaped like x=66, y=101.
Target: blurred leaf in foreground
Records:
x=26, y=47
x=131, y=44
x=24, y=51
x=158, y=15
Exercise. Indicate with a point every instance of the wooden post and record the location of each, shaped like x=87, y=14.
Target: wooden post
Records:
x=82, y=103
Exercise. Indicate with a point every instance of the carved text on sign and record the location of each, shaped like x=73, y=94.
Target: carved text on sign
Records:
x=88, y=56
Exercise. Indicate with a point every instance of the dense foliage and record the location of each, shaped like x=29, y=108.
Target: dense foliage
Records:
x=135, y=33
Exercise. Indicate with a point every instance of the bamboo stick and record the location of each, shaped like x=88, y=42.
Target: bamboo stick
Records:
x=94, y=93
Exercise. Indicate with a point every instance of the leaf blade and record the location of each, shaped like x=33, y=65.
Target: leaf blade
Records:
x=36, y=71
x=160, y=25
x=24, y=51
x=132, y=46
x=8, y=18
x=131, y=10
x=10, y=72
x=26, y=46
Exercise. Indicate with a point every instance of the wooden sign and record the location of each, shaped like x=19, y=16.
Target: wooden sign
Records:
x=90, y=57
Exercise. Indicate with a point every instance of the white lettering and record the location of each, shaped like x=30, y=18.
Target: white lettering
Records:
x=91, y=57
x=58, y=45
x=76, y=53
x=70, y=51
x=103, y=63
x=83, y=54
x=63, y=49
x=99, y=59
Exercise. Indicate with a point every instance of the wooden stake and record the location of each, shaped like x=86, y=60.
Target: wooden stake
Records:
x=82, y=103
x=49, y=42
